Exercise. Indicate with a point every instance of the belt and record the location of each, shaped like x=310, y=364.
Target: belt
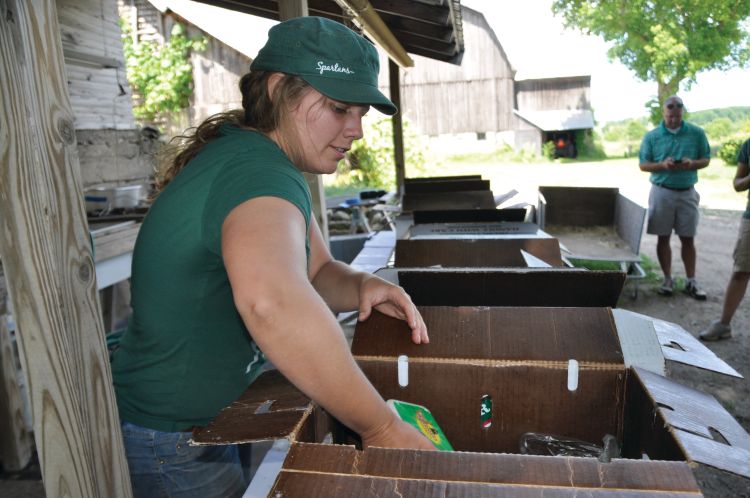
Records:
x=673, y=188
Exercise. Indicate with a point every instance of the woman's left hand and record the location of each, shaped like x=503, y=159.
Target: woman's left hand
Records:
x=391, y=300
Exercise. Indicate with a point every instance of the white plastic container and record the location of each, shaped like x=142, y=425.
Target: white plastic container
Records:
x=106, y=199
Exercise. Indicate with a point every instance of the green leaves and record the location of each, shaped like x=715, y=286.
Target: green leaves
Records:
x=370, y=162
x=666, y=41
x=160, y=75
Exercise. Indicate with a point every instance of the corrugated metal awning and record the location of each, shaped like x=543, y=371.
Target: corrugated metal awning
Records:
x=561, y=119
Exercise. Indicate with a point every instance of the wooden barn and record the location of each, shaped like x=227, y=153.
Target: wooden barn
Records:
x=483, y=96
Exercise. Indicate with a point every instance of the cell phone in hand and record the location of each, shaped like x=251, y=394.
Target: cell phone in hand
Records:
x=421, y=418
x=678, y=160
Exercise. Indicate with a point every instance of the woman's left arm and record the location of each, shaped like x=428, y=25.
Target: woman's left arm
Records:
x=345, y=289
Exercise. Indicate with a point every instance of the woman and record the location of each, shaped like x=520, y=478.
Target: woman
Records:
x=230, y=268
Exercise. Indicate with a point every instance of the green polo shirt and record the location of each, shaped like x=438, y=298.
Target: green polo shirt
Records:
x=689, y=142
x=186, y=353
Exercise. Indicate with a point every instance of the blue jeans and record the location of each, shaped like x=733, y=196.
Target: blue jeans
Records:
x=162, y=464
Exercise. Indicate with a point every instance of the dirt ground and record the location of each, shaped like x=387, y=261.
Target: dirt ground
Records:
x=717, y=233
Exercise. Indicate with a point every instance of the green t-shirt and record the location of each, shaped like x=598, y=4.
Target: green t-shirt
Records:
x=689, y=142
x=186, y=353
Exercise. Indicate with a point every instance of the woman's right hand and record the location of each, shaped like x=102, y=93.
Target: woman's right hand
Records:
x=397, y=434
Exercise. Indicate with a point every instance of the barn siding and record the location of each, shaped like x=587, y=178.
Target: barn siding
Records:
x=99, y=95
x=554, y=93
x=216, y=75
x=477, y=96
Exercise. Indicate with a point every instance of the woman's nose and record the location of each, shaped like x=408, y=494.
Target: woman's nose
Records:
x=353, y=128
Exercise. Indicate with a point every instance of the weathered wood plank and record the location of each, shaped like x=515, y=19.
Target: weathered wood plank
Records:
x=47, y=258
x=16, y=443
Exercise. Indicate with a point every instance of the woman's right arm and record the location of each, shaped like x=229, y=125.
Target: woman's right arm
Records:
x=742, y=177
x=263, y=247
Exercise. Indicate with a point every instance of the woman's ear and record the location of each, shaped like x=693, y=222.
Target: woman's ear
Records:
x=273, y=82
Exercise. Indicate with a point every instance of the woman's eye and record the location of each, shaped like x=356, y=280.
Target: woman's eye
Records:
x=338, y=109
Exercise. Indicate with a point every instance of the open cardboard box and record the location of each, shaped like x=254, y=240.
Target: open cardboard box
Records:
x=595, y=223
x=520, y=356
x=490, y=244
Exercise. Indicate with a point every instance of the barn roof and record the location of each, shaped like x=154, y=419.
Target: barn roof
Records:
x=430, y=28
x=245, y=33
x=556, y=120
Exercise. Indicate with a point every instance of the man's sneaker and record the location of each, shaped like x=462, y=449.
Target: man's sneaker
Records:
x=692, y=290
x=667, y=287
x=716, y=331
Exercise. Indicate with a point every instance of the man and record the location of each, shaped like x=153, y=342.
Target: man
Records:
x=720, y=329
x=673, y=153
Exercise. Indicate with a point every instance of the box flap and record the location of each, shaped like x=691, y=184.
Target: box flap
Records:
x=474, y=199
x=508, y=286
x=707, y=433
x=469, y=215
x=534, y=262
x=508, y=334
x=311, y=470
x=271, y=408
x=677, y=344
x=446, y=185
x=640, y=345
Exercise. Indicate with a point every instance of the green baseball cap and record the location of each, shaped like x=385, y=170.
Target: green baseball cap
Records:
x=332, y=58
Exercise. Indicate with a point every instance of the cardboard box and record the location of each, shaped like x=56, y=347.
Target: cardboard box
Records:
x=508, y=286
x=521, y=358
x=474, y=245
x=469, y=215
x=470, y=199
x=437, y=185
x=592, y=223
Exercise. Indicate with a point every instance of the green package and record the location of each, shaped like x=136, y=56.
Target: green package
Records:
x=421, y=418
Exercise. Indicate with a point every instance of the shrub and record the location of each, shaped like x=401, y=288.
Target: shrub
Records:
x=160, y=75
x=548, y=150
x=729, y=150
x=371, y=163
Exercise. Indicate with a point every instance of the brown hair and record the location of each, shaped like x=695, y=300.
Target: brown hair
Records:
x=260, y=111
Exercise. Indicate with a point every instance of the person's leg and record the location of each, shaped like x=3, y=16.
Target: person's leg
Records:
x=688, y=255
x=686, y=226
x=721, y=329
x=163, y=464
x=664, y=254
x=735, y=293
x=661, y=216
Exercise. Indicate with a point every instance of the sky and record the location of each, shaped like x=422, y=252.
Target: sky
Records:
x=528, y=30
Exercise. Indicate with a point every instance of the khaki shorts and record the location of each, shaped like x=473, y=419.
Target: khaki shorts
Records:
x=673, y=210
x=742, y=248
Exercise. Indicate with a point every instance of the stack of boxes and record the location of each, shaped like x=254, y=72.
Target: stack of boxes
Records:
x=528, y=363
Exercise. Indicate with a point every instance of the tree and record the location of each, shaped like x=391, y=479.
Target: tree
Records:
x=666, y=41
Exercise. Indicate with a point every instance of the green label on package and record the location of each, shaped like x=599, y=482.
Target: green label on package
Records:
x=421, y=418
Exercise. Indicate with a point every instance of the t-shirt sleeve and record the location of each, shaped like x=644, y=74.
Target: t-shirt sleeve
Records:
x=645, y=154
x=247, y=177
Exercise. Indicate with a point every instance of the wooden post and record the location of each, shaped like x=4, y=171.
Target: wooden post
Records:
x=398, y=128
x=289, y=9
x=16, y=445
x=48, y=263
